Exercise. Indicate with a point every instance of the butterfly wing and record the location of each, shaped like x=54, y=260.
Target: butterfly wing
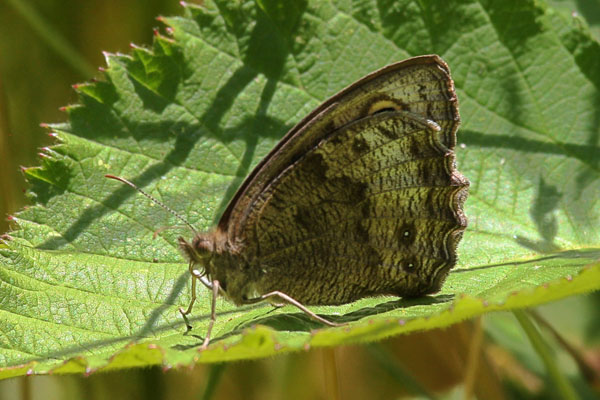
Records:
x=362, y=197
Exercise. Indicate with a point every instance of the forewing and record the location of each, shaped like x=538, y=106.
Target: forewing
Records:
x=421, y=85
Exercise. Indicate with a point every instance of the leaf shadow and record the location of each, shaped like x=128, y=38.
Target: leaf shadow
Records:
x=149, y=328
x=581, y=175
x=544, y=205
x=249, y=130
x=300, y=322
x=548, y=198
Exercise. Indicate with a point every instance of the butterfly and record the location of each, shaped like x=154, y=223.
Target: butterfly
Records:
x=361, y=198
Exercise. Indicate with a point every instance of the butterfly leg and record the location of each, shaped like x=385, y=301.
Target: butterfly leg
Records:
x=213, y=313
x=183, y=312
x=195, y=275
x=284, y=297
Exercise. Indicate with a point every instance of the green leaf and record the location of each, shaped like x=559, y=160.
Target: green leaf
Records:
x=85, y=286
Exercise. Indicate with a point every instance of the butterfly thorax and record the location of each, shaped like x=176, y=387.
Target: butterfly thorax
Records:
x=219, y=259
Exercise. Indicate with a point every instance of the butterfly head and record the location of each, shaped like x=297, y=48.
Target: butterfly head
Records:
x=200, y=250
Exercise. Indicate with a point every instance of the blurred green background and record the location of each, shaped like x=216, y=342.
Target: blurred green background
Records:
x=37, y=70
x=48, y=45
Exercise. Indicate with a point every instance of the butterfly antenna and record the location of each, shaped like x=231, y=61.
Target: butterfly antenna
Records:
x=154, y=200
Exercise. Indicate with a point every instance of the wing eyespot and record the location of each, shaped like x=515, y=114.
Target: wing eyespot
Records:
x=384, y=105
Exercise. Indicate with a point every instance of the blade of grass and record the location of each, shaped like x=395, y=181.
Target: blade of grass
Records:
x=586, y=370
x=214, y=377
x=473, y=359
x=391, y=366
x=541, y=347
x=53, y=38
x=330, y=373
